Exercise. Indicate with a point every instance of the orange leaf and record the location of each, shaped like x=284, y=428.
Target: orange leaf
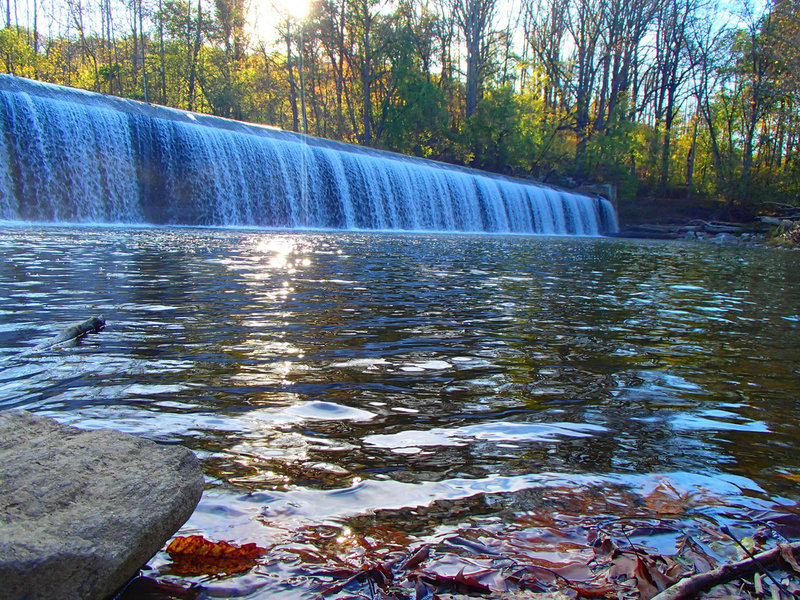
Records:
x=195, y=555
x=666, y=499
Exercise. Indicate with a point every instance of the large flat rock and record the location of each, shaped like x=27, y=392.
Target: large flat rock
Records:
x=82, y=511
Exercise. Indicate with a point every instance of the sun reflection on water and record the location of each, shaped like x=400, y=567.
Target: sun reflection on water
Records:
x=351, y=379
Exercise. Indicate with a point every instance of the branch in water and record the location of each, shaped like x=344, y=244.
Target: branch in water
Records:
x=691, y=586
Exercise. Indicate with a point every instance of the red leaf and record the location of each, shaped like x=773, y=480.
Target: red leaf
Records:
x=592, y=591
x=416, y=559
x=195, y=555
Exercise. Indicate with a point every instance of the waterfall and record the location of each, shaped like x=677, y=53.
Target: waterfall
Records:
x=67, y=155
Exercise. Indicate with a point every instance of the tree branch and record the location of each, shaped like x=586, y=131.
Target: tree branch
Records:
x=691, y=586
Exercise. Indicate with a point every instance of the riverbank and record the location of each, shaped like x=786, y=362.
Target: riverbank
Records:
x=766, y=231
x=777, y=225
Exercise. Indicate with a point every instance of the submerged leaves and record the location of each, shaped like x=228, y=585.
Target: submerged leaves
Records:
x=506, y=561
x=535, y=554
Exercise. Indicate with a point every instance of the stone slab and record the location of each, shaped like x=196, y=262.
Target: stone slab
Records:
x=81, y=511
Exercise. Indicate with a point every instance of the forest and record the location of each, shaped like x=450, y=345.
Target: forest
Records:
x=672, y=100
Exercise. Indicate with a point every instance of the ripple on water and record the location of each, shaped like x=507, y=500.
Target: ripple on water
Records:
x=494, y=432
x=351, y=378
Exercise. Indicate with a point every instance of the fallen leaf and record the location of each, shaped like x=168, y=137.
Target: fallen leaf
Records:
x=604, y=548
x=461, y=583
x=666, y=499
x=417, y=558
x=691, y=552
x=195, y=555
x=649, y=579
x=788, y=556
x=590, y=590
x=640, y=567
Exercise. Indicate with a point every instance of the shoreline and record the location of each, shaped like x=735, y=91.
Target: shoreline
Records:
x=766, y=232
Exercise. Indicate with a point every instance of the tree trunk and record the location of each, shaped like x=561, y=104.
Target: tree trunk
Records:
x=669, y=118
x=366, y=77
x=302, y=85
x=161, y=53
x=194, y=52
x=691, y=158
x=292, y=85
x=35, y=29
x=473, y=58
x=144, y=65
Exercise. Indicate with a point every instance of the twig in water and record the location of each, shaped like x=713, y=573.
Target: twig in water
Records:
x=760, y=567
x=691, y=586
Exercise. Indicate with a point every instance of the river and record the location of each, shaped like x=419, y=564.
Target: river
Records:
x=415, y=383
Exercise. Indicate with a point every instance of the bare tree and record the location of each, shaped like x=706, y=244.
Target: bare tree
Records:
x=627, y=22
x=584, y=23
x=285, y=31
x=474, y=18
x=672, y=67
x=545, y=28
x=331, y=22
x=76, y=15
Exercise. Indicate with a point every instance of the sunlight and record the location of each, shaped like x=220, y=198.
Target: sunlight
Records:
x=279, y=247
x=265, y=16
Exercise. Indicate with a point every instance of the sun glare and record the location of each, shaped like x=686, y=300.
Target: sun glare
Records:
x=266, y=16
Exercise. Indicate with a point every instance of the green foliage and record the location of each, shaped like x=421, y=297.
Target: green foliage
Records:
x=493, y=133
x=618, y=154
x=17, y=54
x=416, y=117
x=547, y=146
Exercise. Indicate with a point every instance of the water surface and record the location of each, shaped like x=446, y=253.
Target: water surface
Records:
x=416, y=383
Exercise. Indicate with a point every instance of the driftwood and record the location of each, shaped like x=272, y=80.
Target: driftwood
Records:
x=674, y=231
x=691, y=586
x=786, y=219
x=771, y=220
x=75, y=332
x=717, y=226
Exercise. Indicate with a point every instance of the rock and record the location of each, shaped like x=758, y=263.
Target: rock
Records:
x=82, y=511
x=724, y=238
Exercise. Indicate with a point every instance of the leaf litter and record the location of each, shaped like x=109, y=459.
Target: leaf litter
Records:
x=666, y=542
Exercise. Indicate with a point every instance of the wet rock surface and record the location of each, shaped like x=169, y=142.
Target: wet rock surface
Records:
x=82, y=511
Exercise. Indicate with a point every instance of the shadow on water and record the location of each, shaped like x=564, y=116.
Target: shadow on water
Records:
x=417, y=382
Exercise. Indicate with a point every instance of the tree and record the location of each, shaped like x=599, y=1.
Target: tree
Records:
x=474, y=19
x=494, y=134
x=544, y=29
x=672, y=67
x=584, y=23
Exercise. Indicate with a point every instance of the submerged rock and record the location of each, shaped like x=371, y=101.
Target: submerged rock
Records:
x=82, y=511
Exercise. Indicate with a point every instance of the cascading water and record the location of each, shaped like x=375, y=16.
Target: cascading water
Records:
x=72, y=156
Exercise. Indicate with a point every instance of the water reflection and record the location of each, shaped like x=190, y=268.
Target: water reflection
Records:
x=392, y=374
